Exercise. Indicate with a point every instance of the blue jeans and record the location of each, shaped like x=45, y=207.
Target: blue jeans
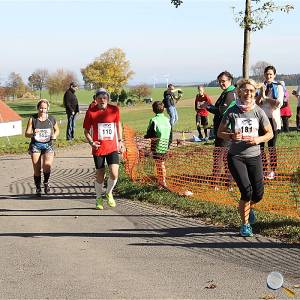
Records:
x=172, y=112
x=70, y=126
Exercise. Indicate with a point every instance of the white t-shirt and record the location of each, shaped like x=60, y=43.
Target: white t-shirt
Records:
x=273, y=112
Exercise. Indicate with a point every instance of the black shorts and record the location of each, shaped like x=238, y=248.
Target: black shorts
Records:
x=159, y=156
x=111, y=159
x=203, y=120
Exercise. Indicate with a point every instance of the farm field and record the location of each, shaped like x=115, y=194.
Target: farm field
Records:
x=137, y=117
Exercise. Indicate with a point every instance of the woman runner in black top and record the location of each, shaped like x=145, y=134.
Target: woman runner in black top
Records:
x=42, y=129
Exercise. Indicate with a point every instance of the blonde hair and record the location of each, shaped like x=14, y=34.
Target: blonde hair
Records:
x=242, y=82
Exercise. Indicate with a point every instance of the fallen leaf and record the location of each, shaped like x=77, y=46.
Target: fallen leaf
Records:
x=211, y=285
x=290, y=293
x=268, y=297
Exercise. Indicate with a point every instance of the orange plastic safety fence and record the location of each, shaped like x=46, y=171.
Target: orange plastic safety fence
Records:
x=201, y=171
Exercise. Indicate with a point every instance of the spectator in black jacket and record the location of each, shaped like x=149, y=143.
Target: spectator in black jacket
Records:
x=72, y=108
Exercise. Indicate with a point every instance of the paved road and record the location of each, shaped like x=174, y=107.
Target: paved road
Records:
x=59, y=246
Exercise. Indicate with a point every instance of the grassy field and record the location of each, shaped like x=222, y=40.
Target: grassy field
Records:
x=136, y=117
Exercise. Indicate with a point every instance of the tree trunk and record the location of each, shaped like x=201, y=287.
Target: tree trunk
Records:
x=247, y=32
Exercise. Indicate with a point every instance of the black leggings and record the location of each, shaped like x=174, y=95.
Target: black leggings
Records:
x=298, y=117
x=248, y=175
x=285, y=124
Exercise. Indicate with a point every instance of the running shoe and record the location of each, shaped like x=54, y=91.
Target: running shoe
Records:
x=252, y=217
x=246, y=230
x=110, y=200
x=38, y=192
x=271, y=176
x=46, y=188
x=99, y=203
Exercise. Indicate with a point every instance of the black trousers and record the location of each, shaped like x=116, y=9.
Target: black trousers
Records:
x=271, y=148
x=248, y=175
x=285, y=124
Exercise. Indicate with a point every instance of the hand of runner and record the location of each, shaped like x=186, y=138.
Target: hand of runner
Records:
x=121, y=147
x=236, y=136
x=250, y=140
x=96, y=144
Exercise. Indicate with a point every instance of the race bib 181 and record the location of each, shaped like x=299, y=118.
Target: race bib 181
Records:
x=247, y=126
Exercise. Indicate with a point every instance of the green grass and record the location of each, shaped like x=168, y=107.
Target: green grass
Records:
x=271, y=225
x=136, y=117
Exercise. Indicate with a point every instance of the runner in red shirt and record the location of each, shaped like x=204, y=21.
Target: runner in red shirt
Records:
x=202, y=112
x=103, y=131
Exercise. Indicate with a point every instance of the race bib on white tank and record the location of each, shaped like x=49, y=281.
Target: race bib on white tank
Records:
x=42, y=135
x=106, y=131
x=247, y=126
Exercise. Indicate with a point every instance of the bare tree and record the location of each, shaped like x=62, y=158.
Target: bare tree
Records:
x=258, y=68
x=38, y=80
x=59, y=81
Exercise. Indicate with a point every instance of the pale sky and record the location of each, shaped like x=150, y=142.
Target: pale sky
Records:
x=193, y=42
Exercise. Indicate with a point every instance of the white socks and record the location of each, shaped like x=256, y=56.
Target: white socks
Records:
x=99, y=188
x=110, y=185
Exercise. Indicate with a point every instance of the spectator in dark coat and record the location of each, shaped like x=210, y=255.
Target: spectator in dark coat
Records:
x=72, y=108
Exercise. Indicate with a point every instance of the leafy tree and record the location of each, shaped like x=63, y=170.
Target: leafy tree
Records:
x=38, y=79
x=251, y=19
x=59, y=81
x=123, y=96
x=111, y=71
x=114, y=97
x=255, y=18
x=140, y=91
x=258, y=69
x=15, y=85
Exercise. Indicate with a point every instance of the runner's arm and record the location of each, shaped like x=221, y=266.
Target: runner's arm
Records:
x=29, y=130
x=88, y=136
x=56, y=132
x=120, y=137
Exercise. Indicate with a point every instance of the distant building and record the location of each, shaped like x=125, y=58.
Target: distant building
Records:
x=10, y=121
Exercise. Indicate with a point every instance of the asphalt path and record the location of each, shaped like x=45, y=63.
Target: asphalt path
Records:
x=59, y=246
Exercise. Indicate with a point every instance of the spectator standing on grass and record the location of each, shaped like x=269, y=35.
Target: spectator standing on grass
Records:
x=72, y=108
x=246, y=125
x=226, y=100
x=201, y=112
x=270, y=100
x=159, y=130
x=42, y=129
x=103, y=131
x=285, y=110
x=296, y=93
x=169, y=101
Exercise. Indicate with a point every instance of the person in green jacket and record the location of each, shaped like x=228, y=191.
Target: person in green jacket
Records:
x=159, y=131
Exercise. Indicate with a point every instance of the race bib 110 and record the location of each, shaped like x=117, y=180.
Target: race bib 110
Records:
x=106, y=131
